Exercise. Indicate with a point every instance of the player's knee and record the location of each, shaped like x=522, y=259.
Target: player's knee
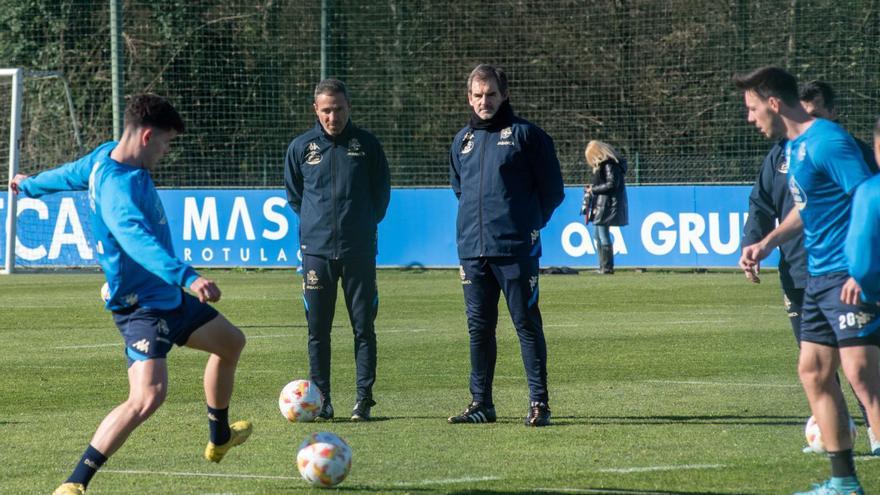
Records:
x=237, y=340
x=860, y=378
x=234, y=343
x=813, y=377
x=145, y=404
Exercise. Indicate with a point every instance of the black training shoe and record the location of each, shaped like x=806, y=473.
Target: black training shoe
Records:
x=361, y=411
x=326, y=413
x=475, y=413
x=539, y=414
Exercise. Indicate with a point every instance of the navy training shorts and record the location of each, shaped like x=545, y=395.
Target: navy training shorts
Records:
x=827, y=321
x=150, y=333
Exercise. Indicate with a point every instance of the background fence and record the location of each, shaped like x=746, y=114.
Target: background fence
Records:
x=652, y=77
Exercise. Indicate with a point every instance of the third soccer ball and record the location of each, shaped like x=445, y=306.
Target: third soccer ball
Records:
x=300, y=401
x=814, y=435
x=324, y=459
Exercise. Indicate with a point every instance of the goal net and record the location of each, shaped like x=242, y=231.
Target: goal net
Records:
x=38, y=120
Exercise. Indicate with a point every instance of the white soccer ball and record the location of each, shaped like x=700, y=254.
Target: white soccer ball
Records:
x=105, y=292
x=324, y=459
x=814, y=435
x=300, y=401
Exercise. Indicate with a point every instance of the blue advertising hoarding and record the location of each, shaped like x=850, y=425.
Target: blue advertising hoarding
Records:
x=670, y=226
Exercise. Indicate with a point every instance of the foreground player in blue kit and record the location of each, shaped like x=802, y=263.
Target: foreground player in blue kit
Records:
x=863, y=238
x=825, y=167
x=151, y=310
x=770, y=202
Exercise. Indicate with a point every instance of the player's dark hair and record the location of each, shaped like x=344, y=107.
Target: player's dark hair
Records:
x=486, y=72
x=770, y=81
x=331, y=87
x=814, y=89
x=153, y=111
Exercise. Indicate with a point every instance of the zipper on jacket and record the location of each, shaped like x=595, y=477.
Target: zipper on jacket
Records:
x=334, y=233
x=482, y=154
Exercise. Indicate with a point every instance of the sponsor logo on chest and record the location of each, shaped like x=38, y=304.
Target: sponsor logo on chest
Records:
x=354, y=148
x=313, y=156
x=505, y=140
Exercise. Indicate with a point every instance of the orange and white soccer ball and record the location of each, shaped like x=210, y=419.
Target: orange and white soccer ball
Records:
x=105, y=292
x=814, y=435
x=300, y=401
x=324, y=459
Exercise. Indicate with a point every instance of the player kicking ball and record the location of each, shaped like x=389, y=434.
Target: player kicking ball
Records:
x=152, y=312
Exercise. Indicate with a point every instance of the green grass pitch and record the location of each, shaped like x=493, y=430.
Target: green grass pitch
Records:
x=661, y=383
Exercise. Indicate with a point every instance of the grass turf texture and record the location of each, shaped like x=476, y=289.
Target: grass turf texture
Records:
x=648, y=372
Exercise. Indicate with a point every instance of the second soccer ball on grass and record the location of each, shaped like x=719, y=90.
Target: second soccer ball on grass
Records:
x=300, y=401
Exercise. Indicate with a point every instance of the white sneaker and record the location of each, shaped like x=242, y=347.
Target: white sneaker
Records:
x=875, y=443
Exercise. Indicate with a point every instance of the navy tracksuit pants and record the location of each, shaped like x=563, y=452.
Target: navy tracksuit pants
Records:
x=483, y=280
x=320, y=279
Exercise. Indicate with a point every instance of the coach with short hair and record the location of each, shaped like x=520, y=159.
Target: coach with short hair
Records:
x=337, y=182
x=506, y=176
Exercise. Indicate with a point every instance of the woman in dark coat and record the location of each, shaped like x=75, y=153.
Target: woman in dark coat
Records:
x=605, y=198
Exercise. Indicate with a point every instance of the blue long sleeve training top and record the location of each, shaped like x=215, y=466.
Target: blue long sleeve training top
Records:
x=130, y=229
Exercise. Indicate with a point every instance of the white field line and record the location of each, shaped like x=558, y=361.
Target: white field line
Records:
x=649, y=469
x=120, y=343
x=725, y=384
x=686, y=322
x=448, y=481
x=90, y=346
x=206, y=475
x=600, y=491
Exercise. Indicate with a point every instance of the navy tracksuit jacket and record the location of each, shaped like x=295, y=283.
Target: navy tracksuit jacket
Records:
x=339, y=186
x=508, y=183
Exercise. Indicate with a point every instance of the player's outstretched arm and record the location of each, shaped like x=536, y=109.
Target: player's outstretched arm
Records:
x=205, y=289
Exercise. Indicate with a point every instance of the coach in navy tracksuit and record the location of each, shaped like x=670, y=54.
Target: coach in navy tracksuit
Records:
x=338, y=184
x=506, y=176
x=769, y=202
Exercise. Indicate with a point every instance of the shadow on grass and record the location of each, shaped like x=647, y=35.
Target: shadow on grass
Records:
x=286, y=325
x=564, y=421
x=587, y=491
x=541, y=491
x=723, y=419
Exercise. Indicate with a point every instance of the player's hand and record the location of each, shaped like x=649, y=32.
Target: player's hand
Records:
x=752, y=273
x=851, y=292
x=750, y=260
x=205, y=289
x=15, y=183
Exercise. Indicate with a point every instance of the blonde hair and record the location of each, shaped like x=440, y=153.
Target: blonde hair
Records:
x=598, y=152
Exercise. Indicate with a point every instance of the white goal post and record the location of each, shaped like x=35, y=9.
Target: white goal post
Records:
x=16, y=98
x=16, y=78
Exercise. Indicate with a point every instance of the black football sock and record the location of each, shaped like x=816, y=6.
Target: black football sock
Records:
x=218, y=422
x=88, y=465
x=842, y=463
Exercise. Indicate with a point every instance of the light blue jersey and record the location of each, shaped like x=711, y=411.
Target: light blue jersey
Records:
x=825, y=166
x=863, y=239
x=131, y=232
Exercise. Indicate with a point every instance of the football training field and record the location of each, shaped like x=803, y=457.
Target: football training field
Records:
x=660, y=383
